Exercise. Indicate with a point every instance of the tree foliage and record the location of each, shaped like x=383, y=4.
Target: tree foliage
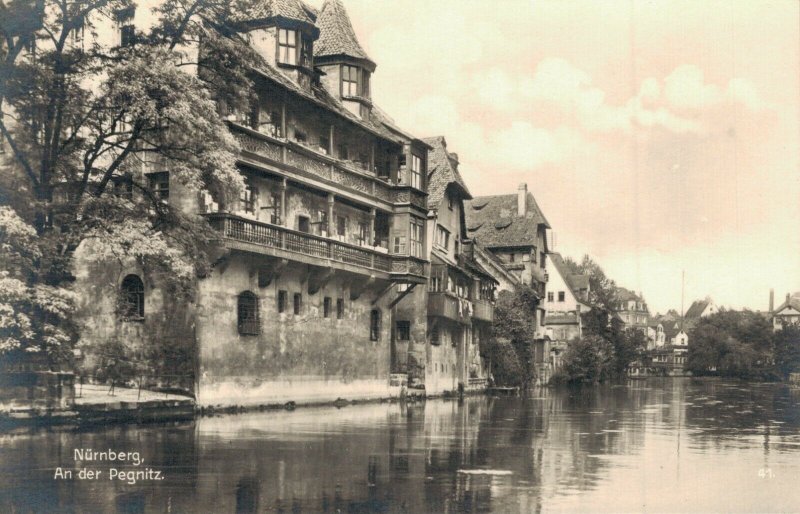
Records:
x=587, y=360
x=82, y=121
x=731, y=343
x=515, y=323
x=787, y=350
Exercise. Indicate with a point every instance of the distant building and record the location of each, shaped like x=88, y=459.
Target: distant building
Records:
x=788, y=313
x=567, y=296
x=655, y=333
x=514, y=230
x=701, y=309
x=632, y=309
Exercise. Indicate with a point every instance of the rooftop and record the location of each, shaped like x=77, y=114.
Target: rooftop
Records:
x=576, y=282
x=442, y=172
x=494, y=222
x=337, y=37
x=697, y=308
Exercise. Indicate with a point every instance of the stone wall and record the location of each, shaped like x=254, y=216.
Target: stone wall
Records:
x=303, y=357
x=36, y=389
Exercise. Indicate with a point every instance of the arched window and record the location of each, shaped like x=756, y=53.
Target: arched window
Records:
x=132, y=293
x=374, y=325
x=247, y=314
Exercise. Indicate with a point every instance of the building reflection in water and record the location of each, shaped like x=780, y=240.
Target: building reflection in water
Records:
x=479, y=455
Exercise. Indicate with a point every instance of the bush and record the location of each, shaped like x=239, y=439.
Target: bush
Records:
x=587, y=360
x=506, y=367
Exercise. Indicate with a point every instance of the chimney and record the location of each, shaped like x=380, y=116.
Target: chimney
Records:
x=771, y=300
x=522, y=200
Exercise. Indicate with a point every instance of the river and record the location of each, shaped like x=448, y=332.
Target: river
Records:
x=650, y=445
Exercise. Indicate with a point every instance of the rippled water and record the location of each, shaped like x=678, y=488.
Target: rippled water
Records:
x=656, y=445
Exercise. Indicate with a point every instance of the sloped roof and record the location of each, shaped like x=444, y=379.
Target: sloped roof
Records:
x=624, y=295
x=576, y=282
x=442, y=171
x=323, y=98
x=494, y=222
x=697, y=308
x=268, y=10
x=337, y=36
x=793, y=302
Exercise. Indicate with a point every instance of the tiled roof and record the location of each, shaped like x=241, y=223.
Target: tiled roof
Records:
x=323, y=98
x=337, y=36
x=576, y=282
x=623, y=295
x=697, y=308
x=442, y=172
x=289, y=9
x=494, y=222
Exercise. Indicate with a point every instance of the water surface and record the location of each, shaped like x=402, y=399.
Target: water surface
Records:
x=658, y=445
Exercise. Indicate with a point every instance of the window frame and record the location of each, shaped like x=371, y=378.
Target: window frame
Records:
x=158, y=182
x=349, y=83
x=562, y=296
x=374, y=325
x=402, y=330
x=340, y=308
x=285, y=49
x=132, y=297
x=283, y=300
x=416, y=171
x=297, y=304
x=326, y=307
x=247, y=315
x=416, y=237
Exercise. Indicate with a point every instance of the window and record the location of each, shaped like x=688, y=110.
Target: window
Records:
x=322, y=222
x=247, y=199
x=561, y=296
x=550, y=297
x=400, y=245
x=450, y=202
x=415, y=240
x=541, y=260
x=159, y=184
x=339, y=308
x=300, y=136
x=349, y=80
x=442, y=237
x=132, y=298
x=282, y=297
x=416, y=171
x=363, y=233
x=287, y=46
x=374, y=325
x=343, y=153
x=298, y=303
x=247, y=314
x=304, y=224
x=341, y=225
x=403, y=330
x=324, y=144
x=275, y=208
x=326, y=307
x=306, y=51
x=127, y=31
x=435, y=336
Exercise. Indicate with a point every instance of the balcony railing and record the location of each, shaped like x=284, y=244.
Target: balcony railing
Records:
x=483, y=310
x=446, y=305
x=273, y=150
x=281, y=238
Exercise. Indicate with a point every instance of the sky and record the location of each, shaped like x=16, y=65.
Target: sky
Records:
x=658, y=137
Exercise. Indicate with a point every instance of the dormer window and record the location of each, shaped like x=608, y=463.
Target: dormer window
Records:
x=355, y=81
x=287, y=46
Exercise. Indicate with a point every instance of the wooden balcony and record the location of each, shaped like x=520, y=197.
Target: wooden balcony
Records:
x=483, y=310
x=306, y=162
x=447, y=305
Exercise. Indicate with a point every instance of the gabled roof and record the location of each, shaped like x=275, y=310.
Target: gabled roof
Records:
x=442, y=172
x=575, y=282
x=793, y=302
x=494, y=222
x=697, y=308
x=337, y=37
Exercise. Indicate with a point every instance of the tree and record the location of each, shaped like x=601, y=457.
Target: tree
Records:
x=731, y=343
x=81, y=121
x=587, y=360
x=515, y=322
x=787, y=350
